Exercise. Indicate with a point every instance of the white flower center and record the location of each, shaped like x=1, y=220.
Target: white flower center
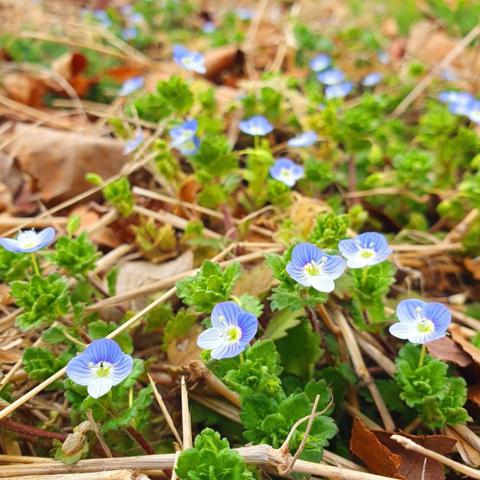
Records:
x=101, y=369
x=256, y=130
x=28, y=239
x=232, y=334
x=425, y=326
x=367, y=253
x=286, y=174
x=314, y=268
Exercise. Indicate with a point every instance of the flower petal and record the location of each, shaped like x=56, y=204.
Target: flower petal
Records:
x=99, y=386
x=46, y=237
x=298, y=274
x=348, y=247
x=225, y=313
x=304, y=253
x=323, y=283
x=334, y=266
x=404, y=330
x=79, y=371
x=439, y=314
x=228, y=351
x=122, y=369
x=406, y=310
x=210, y=339
x=248, y=324
x=11, y=245
x=103, y=350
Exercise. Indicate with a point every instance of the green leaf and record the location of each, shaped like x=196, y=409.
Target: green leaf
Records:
x=119, y=194
x=13, y=266
x=73, y=224
x=209, y=286
x=40, y=363
x=251, y=304
x=329, y=229
x=280, y=322
x=100, y=329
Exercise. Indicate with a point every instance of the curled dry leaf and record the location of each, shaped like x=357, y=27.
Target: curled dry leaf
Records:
x=384, y=456
x=447, y=350
x=58, y=161
x=224, y=65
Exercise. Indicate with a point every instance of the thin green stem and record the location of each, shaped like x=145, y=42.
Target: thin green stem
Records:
x=422, y=356
x=241, y=358
x=35, y=263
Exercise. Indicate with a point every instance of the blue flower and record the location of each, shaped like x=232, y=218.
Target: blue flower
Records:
x=209, y=27
x=448, y=75
x=421, y=322
x=29, y=241
x=134, y=143
x=192, y=61
x=338, y=91
x=102, y=17
x=100, y=366
x=366, y=249
x=332, y=76
x=256, y=126
x=383, y=57
x=320, y=62
x=372, y=79
x=311, y=267
x=454, y=97
x=286, y=171
x=131, y=85
x=129, y=33
x=243, y=13
x=305, y=139
x=232, y=330
x=184, y=138
x=473, y=111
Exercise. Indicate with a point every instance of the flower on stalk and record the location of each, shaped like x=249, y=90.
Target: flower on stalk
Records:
x=453, y=96
x=305, y=139
x=101, y=366
x=286, y=171
x=421, y=322
x=320, y=62
x=366, y=249
x=311, y=267
x=332, y=76
x=132, y=144
x=232, y=330
x=338, y=91
x=371, y=79
x=184, y=137
x=29, y=241
x=257, y=126
x=131, y=85
x=192, y=61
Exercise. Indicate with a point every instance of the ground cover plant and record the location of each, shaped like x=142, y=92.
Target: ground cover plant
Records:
x=239, y=241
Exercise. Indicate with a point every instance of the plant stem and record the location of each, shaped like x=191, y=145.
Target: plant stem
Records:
x=35, y=264
x=422, y=356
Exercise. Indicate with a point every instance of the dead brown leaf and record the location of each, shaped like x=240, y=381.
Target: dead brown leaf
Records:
x=224, y=64
x=255, y=281
x=467, y=346
x=58, y=161
x=183, y=350
x=469, y=454
x=447, y=350
x=25, y=88
x=384, y=456
x=106, y=236
x=473, y=266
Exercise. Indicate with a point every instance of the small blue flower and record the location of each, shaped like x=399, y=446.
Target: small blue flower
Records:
x=452, y=96
x=243, y=13
x=192, y=61
x=338, y=91
x=421, y=322
x=101, y=366
x=102, y=17
x=286, y=171
x=332, y=76
x=383, y=57
x=129, y=33
x=134, y=143
x=311, y=267
x=184, y=137
x=448, y=75
x=372, y=79
x=232, y=330
x=131, y=85
x=366, y=249
x=29, y=241
x=473, y=111
x=305, y=139
x=257, y=126
x=320, y=62
x=209, y=27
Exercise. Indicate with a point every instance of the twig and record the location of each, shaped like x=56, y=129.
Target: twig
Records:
x=30, y=431
x=362, y=371
x=423, y=84
x=139, y=438
x=186, y=419
x=165, y=411
x=459, y=467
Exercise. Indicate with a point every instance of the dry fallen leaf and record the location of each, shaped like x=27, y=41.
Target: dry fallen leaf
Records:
x=183, y=350
x=467, y=346
x=469, y=454
x=447, y=350
x=384, y=456
x=58, y=161
x=225, y=64
x=255, y=281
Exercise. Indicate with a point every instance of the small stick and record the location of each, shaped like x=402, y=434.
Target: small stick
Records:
x=459, y=467
x=375, y=354
x=362, y=371
x=165, y=411
x=186, y=419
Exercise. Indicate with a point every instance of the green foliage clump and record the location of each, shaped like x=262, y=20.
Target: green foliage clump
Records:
x=370, y=287
x=209, y=286
x=119, y=195
x=154, y=241
x=13, y=266
x=40, y=363
x=438, y=397
x=43, y=299
x=77, y=256
x=211, y=459
x=329, y=229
